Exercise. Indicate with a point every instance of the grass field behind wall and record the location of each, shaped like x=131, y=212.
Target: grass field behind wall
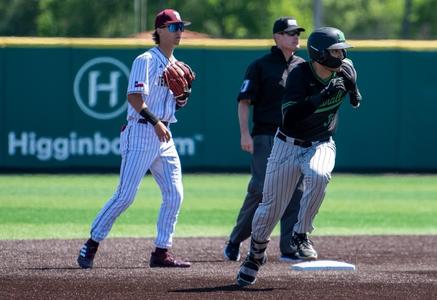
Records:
x=63, y=206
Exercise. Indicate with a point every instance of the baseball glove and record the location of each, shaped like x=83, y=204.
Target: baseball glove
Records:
x=189, y=75
x=178, y=76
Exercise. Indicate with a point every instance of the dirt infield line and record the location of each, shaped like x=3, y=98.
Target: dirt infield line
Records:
x=388, y=267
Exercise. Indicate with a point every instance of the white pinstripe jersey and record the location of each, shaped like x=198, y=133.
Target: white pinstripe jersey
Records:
x=146, y=79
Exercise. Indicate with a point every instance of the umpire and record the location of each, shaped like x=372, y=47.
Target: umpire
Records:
x=262, y=88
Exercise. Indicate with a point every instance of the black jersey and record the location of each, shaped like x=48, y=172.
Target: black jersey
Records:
x=264, y=84
x=302, y=120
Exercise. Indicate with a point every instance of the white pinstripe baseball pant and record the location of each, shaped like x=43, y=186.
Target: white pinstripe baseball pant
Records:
x=141, y=150
x=285, y=165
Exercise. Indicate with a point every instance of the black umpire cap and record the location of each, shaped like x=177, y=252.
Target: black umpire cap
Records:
x=286, y=24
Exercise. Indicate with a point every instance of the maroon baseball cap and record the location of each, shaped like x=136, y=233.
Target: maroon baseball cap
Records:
x=168, y=16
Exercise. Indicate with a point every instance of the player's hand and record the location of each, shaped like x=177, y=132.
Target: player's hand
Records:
x=246, y=143
x=355, y=98
x=334, y=86
x=162, y=132
x=349, y=74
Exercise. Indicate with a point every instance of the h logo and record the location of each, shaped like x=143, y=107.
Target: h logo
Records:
x=111, y=87
x=103, y=77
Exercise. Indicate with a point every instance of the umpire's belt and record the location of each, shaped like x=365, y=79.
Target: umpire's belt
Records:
x=144, y=121
x=300, y=143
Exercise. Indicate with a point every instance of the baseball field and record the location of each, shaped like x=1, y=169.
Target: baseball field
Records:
x=384, y=224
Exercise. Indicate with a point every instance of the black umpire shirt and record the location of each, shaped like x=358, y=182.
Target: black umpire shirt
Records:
x=264, y=84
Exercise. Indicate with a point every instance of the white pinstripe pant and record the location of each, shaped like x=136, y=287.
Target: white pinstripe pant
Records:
x=141, y=150
x=285, y=165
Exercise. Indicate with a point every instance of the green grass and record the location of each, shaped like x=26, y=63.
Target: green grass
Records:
x=63, y=206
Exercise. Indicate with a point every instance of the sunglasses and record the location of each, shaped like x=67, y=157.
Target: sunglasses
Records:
x=173, y=27
x=291, y=33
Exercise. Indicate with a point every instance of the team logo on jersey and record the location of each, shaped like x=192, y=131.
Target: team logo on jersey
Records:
x=100, y=87
x=332, y=103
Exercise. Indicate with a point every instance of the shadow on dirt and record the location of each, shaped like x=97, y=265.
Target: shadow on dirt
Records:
x=223, y=288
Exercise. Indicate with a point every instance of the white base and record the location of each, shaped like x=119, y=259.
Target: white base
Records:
x=323, y=265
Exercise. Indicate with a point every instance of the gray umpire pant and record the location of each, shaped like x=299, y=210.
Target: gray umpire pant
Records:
x=262, y=146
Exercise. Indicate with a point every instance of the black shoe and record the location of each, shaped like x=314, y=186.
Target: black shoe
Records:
x=87, y=253
x=304, y=246
x=232, y=251
x=248, y=270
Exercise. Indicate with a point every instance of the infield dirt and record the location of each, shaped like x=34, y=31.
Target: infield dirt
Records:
x=388, y=267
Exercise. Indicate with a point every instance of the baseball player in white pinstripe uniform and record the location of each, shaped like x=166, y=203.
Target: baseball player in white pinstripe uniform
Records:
x=146, y=144
x=303, y=145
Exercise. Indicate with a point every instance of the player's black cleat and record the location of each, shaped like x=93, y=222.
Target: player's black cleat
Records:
x=248, y=270
x=87, y=253
x=304, y=246
x=254, y=260
x=232, y=251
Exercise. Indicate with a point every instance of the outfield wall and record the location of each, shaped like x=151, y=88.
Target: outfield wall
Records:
x=62, y=103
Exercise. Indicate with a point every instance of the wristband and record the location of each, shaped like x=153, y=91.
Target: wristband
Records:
x=149, y=116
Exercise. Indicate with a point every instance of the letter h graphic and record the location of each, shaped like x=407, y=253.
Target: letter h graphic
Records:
x=94, y=88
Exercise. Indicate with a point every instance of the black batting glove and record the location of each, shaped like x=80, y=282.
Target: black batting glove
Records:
x=334, y=86
x=349, y=74
x=355, y=98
